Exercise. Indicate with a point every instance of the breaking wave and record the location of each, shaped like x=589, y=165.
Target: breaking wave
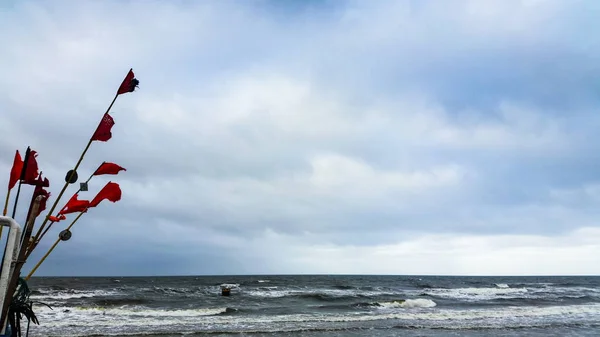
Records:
x=409, y=303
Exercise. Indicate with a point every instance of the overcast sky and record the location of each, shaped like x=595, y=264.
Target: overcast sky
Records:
x=362, y=137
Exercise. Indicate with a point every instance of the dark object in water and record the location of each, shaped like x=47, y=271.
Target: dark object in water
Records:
x=225, y=291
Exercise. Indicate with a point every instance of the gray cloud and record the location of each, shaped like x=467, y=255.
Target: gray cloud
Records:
x=270, y=138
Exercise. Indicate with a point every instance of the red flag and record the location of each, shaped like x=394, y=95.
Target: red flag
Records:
x=30, y=174
x=129, y=83
x=39, y=190
x=57, y=218
x=15, y=172
x=74, y=205
x=108, y=168
x=111, y=191
x=46, y=195
x=103, y=133
x=42, y=183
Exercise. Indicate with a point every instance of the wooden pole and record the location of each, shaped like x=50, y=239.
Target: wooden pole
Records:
x=62, y=191
x=5, y=206
x=16, y=200
x=20, y=260
x=36, y=239
x=5, y=210
x=21, y=177
x=51, y=248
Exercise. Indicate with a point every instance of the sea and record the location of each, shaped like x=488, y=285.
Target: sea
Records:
x=316, y=305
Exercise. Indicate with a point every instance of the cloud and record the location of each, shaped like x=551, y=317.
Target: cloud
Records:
x=271, y=137
x=449, y=254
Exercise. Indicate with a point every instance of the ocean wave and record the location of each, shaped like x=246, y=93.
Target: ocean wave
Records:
x=216, y=320
x=408, y=303
x=511, y=293
x=67, y=294
x=230, y=285
x=177, y=291
x=48, y=295
x=118, y=302
x=476, y=294
x=130, y=312
x=267, y=288
x=323, y=296
x=499, y=291
x=394, y=304
x=317, y=294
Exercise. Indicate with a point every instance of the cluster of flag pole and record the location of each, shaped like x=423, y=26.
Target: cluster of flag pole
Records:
x=25, y=171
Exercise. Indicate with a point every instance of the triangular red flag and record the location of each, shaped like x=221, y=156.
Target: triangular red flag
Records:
x=108, y=168
x=129, y=83
x=103, y=133
x=74, y=205
x=57, y=218
x=111, y=191
x=15, y=172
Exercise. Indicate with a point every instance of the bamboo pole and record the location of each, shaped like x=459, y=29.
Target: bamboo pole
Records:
x=21, y=177
x=5, y=207
x=16, y=199
x=5, y=210
x=51, y=248
x=132, y=82
x=20, y=259
x=62, y=191
x=38, y=237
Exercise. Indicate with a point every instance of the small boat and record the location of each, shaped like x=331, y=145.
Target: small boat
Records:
x=225, y=291
x=227, y=287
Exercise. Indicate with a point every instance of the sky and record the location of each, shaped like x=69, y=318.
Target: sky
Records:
x=324, y=137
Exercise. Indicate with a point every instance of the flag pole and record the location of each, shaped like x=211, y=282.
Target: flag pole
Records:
x=16, y=200
x=38, y=237
x=34, y=197
x=29, y=223
x=66, y=236
x=21, y=177
x=111, y=191
x=72, y=173
x=5, y=208
x=128, y=85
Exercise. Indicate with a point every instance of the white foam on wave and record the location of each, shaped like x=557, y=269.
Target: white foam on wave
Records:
x=263, y=281
x=477, y=294
x=409, y=303
x=230, y=285
x=505, y=292
x=269, y=292
x=76, y=314
x=268, y=288
x=502, y=285
x=46, y=295
x=446, y=318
